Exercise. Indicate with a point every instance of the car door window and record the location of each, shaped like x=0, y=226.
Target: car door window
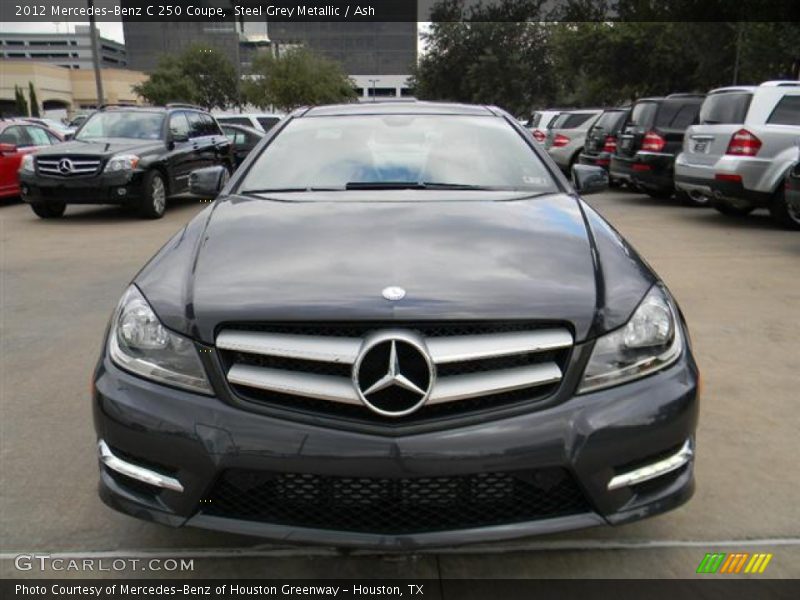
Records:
x=178, y=124
x=15, y=135
x=267, y=123
x=210, y=125
x=196, y=126
x=38, y=136
x=787, y=112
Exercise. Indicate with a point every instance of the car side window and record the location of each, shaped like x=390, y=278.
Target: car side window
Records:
x=267, y=123
x=15, y=135
x=196, y=126
x=787, y=112
x=38, y=136
x=210, y=125
x=178, y=125
x=53, y=138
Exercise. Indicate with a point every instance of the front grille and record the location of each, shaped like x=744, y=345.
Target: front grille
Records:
x=309, y=366
x=385, y=505
x=68, y=166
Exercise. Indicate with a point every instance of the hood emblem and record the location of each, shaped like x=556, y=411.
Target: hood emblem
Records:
x=393, y=293
x=393, y=374
x=65, y=166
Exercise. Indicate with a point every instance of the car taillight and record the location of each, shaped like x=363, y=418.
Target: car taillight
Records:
x=653, y=142
x=743, y=143
x=610, y=144
x=538, y=135
x=560, y=140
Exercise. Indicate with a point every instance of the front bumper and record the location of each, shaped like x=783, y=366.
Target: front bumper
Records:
x=596, y=437
x=103, y=188
x=650, y=170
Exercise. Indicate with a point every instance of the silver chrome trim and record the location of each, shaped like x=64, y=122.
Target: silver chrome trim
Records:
x=307, y=347
x=475, y=347
x=461, y=387
x=437, y=350
x=653, y=470
x=113, y=462
x=297, y=383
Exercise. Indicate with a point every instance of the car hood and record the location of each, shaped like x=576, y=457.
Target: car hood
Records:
x=250, y=260
x=101, y=147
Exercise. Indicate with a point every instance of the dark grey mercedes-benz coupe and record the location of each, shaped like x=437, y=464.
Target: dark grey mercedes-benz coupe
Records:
x=397, y=326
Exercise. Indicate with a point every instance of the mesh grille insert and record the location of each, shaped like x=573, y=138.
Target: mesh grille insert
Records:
x=396, y=506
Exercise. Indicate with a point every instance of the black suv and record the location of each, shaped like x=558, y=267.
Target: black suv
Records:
x=129, y=156
x=601, y=141
x=651, y=139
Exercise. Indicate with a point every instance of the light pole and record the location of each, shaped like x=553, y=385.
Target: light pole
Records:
x=373, y=82
x=98, y=78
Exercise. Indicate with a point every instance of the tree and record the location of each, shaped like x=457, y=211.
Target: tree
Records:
x=297, y=77
x=34, y=101
x=200, y=75
x=20, y=104
x=473, y=55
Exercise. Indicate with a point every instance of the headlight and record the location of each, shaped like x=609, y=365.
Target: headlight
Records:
x=139, y=343
x=27, y=164
x=122, y=162
x=650, y=341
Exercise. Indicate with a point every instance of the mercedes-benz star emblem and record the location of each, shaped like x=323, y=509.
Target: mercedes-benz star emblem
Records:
x=65, y=166
x=393, y=293
x=394, y=374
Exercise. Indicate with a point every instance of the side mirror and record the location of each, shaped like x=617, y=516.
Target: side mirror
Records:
x=208, y=181
x=7, y=148
x=588, y=179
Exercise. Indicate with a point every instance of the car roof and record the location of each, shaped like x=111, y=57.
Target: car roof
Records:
x=256, y=115
x=397, y=108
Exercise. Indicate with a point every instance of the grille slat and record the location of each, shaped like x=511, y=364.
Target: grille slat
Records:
x=494, y=363
x=396, y=505
x=80, y=165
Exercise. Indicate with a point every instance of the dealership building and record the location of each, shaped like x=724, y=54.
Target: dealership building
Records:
x=378, y=56
x=72, y=50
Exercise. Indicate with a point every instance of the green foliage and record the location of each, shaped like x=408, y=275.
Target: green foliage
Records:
x=34, y=101
x=486, y=61
x=20, y=104
x=200, y=75
x=590, y=62
x=297, y=77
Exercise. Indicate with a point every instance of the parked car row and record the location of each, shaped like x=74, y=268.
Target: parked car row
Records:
x=733, y=148
x=130, y=156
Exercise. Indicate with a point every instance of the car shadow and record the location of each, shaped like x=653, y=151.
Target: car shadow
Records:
x=78, y=214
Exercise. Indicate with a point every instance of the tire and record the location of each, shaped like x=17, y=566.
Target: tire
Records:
x=693, y=198
x=52, y=210
x=658, y=194
x=154, y=202
x=783, y=214
x=730, y=210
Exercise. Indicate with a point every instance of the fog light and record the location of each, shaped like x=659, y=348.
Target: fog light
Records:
x=121, y=191
x=653, y=470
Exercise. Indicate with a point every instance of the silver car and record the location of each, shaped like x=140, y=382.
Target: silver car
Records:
x=742, y=149
x=566, y=137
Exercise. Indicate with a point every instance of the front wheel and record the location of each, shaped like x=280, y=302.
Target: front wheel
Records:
x=782, y=212
x=154, y=201
x=50, y=210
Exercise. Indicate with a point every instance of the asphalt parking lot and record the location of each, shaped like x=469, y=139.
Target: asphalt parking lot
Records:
x=738, y=282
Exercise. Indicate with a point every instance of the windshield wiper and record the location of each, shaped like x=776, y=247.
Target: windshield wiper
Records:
x=412, y=185
x=291, y=190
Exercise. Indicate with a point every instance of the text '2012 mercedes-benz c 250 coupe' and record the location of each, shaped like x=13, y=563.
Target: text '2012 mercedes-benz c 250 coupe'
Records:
x=398, y=325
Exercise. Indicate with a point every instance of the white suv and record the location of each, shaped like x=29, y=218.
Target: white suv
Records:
x=742, y=149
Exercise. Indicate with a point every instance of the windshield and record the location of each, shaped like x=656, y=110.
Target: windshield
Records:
x=571, y=120
x=610, y=120
x=727, y=108
x=398, y=151
x=123, y=124
x=643, y=114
